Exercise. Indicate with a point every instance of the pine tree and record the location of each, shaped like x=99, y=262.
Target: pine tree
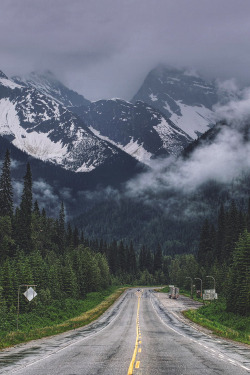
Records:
x=24, y=215
x=69, y=236
x=75, y=237
x=122, y=257
x=220, y=237
x=131, y=259
x=36, y=209
x=248, y=215
x=158, y=260
x=142, y=258
x=6, y=194
x=231, y=232
x=205, y=253
x=238, y=298
x=61, y=229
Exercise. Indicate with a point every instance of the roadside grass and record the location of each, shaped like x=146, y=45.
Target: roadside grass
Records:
x=59, y=317
x=214, y=316
x=165, y=289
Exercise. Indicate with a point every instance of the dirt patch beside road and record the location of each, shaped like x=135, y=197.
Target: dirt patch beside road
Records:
x=177, y=306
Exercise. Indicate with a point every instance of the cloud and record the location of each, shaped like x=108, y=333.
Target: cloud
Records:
x=16, y=164
x=46, y=197
x=220, y=167
x=236, y=112
x=104, y=48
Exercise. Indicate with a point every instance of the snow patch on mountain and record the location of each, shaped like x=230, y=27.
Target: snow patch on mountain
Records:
x=8, y=83
x=193, y=118
x=33, y=143
x=153, y=97
x=133, y=148
x=138, y=151
x=9, y=121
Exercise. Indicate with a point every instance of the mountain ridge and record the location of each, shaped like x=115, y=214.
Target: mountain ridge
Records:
x=183, y=97
x=44, y=129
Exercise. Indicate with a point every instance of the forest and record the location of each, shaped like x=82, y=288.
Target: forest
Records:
x=56, y=257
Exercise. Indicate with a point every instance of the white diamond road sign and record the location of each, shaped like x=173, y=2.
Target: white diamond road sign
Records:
x=30, y=294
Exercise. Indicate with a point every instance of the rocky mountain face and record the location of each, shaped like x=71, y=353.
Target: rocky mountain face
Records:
x=183, y=97
x=47, y=84
x=138, y=129
x=46, y=130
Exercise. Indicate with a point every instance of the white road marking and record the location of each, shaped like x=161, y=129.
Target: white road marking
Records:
x=66, y=346
x=218, y=356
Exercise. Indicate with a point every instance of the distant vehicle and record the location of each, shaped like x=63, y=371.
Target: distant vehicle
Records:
x=138, y=290
x=173, y=292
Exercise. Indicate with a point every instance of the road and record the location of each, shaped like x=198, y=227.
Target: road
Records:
x=143, y=333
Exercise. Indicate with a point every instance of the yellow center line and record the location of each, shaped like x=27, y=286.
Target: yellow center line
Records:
x=131, y=366
x=137, y=365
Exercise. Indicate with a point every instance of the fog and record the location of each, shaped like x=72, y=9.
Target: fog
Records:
x=105, y=48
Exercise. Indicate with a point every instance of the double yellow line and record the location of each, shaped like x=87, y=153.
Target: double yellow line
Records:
x=137, y=341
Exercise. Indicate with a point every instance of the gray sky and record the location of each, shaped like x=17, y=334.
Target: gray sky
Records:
x=105, y=48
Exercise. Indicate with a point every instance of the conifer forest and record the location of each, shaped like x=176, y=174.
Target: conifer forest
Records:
x=64, y=266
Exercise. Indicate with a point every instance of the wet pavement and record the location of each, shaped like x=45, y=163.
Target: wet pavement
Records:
x=167, y=344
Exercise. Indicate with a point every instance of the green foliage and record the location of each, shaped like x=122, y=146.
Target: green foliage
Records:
x=238, y=296
x=23, y=215
x=6, y=194
x=215, y=316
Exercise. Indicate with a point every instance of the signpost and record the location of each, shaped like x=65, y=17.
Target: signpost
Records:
x=29, y=294
x=210, y=294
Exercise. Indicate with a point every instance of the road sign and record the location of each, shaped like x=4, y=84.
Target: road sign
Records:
x=30, y=294
x=210, y=294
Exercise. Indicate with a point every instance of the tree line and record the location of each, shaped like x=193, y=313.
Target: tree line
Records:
x=49, y=252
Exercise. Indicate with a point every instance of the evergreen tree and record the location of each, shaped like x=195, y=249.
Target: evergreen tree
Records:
x=36, y=209
x=122, y=257
x=238, y=296
x=142, y=258
x=6, y=194
x=220, y=237
x=231, y=232
x=75, y=237
x=24, y=215
x=158, y=260
x=131, y=259
x=113, y=257
x=6, y=240
x=205, y=253
x=69, y=236
x=248, y=215
x=61, y=229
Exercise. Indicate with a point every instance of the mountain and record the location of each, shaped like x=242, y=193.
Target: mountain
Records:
x=138, y=129
x=46, y=130
x=183, y=97
x=47, y=83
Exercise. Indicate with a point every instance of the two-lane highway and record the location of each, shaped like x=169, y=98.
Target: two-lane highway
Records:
x=140, y=334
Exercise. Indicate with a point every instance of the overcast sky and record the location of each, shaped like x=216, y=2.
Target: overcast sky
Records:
x=105, y=48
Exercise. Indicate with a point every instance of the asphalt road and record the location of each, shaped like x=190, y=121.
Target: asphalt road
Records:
x=143, y=333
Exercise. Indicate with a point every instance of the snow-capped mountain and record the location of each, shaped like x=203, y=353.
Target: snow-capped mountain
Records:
x=182, y=96
x=47, y=83
x=46, y=130
x=138, y=129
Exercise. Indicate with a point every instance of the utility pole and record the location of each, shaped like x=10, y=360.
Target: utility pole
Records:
x=191, y=286
x=213, y=279
x=197, y=278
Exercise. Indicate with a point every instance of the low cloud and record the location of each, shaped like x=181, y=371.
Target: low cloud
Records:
x=237, y=111
x=46, y=197
x=220, y=165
